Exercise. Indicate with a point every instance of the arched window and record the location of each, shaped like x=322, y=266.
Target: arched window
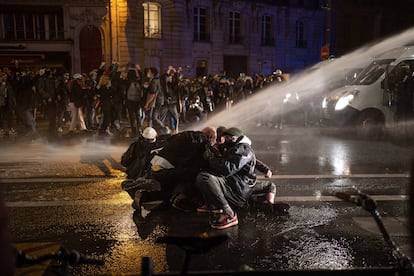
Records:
x=152, y=20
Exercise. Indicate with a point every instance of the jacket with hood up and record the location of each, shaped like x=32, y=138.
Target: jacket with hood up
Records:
x=237, y=165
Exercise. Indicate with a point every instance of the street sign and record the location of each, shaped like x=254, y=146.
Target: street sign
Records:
x=325, y=52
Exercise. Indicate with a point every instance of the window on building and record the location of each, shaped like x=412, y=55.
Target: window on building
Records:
x=20, y=23
x=300, y=35
x=267, y=33
x=152, y=20
x=55, y=27
x=234, y=28
x=201, y=25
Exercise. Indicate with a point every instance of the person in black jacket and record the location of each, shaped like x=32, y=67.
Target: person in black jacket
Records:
x=176, y=166
x=137, y=161
x=76, y=103
x=105, y=93
x=25, y=102
x=262, y=187
x=47, y=91
x=230, y=180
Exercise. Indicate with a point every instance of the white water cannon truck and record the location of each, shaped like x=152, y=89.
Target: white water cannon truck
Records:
x=380, y=98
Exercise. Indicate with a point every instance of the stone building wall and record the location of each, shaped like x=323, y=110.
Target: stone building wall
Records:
x=120, y=27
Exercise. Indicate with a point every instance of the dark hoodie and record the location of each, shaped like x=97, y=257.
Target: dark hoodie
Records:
x=237, y=165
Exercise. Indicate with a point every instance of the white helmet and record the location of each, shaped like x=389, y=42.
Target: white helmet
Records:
x=149, y=133
x=77, y=76
x=278, y=72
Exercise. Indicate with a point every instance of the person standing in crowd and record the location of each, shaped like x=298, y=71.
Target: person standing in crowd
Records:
x=222, y=94
x=229, y=182
x=154, y=100
x=120, y=84
x=76, y=100
x=47, y=91
x=169, y=82
x=62, y=101
x=25, y=102
x=183, y=93
x=196, y=109
x=134, y=101
x=7, y=106
x=104, y=93
x=238, y=93
x=90, y=98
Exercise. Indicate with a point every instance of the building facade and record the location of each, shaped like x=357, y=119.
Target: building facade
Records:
x=359, y=22
x=202, y=36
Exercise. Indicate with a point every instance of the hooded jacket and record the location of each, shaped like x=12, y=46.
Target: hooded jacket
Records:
x=237, y=165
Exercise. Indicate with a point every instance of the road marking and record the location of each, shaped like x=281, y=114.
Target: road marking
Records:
x=332, y=176
x=334, y=198
x=56, y=203
x=280, y=176
x=57, y=179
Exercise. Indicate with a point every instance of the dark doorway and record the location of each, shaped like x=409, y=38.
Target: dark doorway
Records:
x=90, y=46
x=234, y=65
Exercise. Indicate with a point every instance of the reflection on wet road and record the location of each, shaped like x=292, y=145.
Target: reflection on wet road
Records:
x=315, y=234
x=49, y=201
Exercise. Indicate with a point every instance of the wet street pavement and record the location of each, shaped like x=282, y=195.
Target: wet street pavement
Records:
x=69, y=191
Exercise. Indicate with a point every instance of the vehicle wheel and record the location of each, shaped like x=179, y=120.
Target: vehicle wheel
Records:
x=370, y=125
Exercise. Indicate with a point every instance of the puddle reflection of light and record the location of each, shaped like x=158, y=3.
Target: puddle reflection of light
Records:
x=340, y=161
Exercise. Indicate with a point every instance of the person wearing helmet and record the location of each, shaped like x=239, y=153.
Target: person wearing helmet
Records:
x=175, y=167
x=278, y=76
x=136, y=159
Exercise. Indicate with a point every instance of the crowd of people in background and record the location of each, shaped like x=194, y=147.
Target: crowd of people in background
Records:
x=99, y=101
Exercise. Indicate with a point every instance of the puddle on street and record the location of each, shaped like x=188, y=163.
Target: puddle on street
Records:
x=261, y=242
x=296, y=244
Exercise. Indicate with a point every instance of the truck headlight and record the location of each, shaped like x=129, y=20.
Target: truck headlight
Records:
x=345, y=100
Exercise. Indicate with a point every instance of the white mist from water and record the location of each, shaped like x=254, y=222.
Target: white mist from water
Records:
x=266, y=104
x=245, y=114
x=73, y=151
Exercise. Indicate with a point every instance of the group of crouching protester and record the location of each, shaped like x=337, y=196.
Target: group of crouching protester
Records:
x=208, y=171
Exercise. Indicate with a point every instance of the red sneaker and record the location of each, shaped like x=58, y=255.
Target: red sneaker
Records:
x=225, y=221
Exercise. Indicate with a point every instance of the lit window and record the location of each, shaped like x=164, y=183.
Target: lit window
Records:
x=152, y=20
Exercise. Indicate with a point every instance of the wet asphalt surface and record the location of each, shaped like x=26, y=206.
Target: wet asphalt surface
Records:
x=68, y=190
